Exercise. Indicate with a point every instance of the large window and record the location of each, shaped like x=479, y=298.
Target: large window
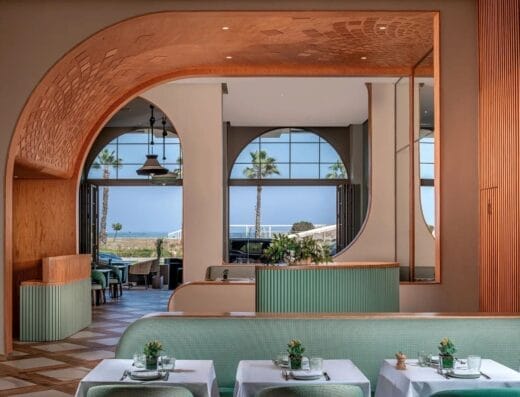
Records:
x=289, y=181
x=125, y=214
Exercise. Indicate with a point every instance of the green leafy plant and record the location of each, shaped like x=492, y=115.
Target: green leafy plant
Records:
x=159, y=247
x=296, y=251
x=301, y=226
x=295, y=348
x=447, y=347
x=152, y=348
x=117, y=227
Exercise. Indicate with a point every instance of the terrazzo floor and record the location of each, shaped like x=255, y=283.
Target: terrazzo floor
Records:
x=55, y=368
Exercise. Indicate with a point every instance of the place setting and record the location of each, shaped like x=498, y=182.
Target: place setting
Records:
x=294, y=365
x=432, y=373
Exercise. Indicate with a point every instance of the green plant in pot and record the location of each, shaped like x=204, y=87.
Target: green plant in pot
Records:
x=310, y=251
x=295, y=350
x=152, y=350
x=447, y=350
x=305, y=251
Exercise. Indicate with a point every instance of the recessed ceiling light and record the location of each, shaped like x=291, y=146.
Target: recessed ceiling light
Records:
x=382, y=28
x=225, y=27
x=229, y=57
x=363, y=58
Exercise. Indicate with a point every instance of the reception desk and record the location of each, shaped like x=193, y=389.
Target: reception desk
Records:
x=58, y=305
x=334, y=288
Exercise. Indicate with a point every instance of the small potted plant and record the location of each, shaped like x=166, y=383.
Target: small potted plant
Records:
x=447, y=350
x=295, y=350
x=151, y=351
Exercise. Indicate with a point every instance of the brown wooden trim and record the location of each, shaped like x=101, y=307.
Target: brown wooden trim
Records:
x=341, y=316
x=437, y=139
x=334, y=266
x=411, y=177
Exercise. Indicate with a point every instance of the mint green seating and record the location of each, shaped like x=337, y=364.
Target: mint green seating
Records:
x=99, y=278
x=365, y=339
x=479, y=393
x=312, y=391
x=138, y=391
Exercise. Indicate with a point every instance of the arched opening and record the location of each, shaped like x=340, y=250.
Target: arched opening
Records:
x=125, y=216
x=294, y=181
x=84, y=89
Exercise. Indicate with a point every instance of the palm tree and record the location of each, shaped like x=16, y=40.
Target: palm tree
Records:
x=261, y=167
x=117, y=227
x=106, y=160
x=337, y=171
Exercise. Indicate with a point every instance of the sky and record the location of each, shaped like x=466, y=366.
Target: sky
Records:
x=159, y=208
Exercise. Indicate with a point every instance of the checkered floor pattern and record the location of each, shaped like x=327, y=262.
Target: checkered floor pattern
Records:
x=55, y=368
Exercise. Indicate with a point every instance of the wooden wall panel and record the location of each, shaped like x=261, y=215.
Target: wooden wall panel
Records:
x=44, y=224
x=499, y=152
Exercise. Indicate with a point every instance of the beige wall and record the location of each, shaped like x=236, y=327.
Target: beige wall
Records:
x=214, y=298
x=196, y=112
x=52, y=28
x=377, y=238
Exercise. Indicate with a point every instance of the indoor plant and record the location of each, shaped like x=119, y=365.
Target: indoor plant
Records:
x=295, y=350
x=447, y=350
x=151, y=351
x=293, y=251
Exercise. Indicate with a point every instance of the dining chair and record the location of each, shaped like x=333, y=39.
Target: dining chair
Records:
x=138, y=391
x=312, y=391
x=502, y=392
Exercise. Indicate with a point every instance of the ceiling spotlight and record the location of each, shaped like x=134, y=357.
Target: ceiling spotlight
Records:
x=225, y=27
x=229, y=57
x=363, y=58
x=382, y=28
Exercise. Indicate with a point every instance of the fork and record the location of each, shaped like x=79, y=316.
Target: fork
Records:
x=125, y=374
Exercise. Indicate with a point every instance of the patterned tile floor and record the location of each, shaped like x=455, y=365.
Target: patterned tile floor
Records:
x=54, y=368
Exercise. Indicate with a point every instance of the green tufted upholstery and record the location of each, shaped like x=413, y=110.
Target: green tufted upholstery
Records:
x=138, y=391
x=479, y=393
x=364, y=340
x=99, y=278
x=312, y=391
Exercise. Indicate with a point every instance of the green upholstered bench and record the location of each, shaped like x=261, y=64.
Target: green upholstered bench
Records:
x=365, y=339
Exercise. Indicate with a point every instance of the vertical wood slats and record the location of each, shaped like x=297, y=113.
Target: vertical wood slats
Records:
x=499, y=153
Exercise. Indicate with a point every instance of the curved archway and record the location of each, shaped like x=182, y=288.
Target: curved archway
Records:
x=85, y=88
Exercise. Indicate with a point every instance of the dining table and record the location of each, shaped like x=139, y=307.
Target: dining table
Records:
x=198, y=376
x=255, y=375
x=417, y=381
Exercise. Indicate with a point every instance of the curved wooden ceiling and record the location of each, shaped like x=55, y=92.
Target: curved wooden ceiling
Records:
x=85, y=87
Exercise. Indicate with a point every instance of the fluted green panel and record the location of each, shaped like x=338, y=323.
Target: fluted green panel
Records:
x=326, y=290
x=53, y=312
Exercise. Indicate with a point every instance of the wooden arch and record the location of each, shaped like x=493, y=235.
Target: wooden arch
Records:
x=80, y=93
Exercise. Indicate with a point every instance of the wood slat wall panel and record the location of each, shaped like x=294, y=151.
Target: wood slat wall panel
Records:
x=499, y=150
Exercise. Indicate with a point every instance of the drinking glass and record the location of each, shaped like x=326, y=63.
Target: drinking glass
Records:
x=316, y=363
x=139, y=360
x=474, y=363
x=282, y=358
x=166, y=363
x=422, y=359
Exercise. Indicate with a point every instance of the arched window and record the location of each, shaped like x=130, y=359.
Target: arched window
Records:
x=289, y=153
x=291, y=181
x=123, y=214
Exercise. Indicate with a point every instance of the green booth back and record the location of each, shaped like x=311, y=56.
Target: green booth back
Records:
x=327, y=289
x=366, y=340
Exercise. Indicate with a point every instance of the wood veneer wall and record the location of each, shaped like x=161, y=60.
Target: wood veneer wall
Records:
x=44, y=224
x=499, y=151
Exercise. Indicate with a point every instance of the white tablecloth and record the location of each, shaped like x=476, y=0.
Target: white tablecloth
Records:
x=253, y=376
x=196, y=375
x=418, y=381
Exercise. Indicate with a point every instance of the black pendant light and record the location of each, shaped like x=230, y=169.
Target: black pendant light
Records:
x=171, y=177
x=151, y=166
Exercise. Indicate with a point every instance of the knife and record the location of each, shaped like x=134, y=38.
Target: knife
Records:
x=485, y=375
x=125, y=374
x=326, y=375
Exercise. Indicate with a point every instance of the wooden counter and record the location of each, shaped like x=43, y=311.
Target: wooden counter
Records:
x=58, y=305
x=332, y=288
